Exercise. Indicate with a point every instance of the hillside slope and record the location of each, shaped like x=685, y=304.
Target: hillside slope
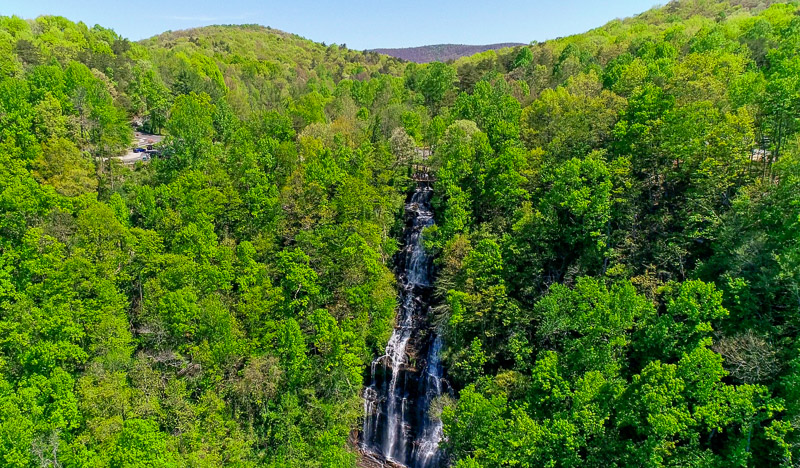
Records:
x=617, y=243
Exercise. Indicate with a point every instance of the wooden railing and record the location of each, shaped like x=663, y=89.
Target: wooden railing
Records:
x=422, y=173
x=420, y=170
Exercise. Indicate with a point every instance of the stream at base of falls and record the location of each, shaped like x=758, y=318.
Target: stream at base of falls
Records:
x=409, y=376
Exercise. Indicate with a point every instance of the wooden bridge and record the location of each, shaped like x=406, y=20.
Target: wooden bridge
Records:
x=422, y=173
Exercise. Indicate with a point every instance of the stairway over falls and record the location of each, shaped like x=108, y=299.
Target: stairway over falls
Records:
x=409, y=376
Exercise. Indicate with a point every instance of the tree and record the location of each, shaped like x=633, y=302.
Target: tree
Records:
x=437, y=80
x=190, y=131
x=150, y=97
x=523, y=59
x=495, y=111
x=571, y=120
x=591, y=325
x=63, y=166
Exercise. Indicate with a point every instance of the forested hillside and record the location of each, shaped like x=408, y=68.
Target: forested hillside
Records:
x=617, y=240
x=441, y=52
x=620, y=245
x=218, y=305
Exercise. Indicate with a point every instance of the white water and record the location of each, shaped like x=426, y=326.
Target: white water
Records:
x=426, y=452
x=396, y=424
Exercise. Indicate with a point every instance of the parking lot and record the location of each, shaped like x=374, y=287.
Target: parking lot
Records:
x=144, y=141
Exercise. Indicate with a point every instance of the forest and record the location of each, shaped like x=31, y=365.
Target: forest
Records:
x=617, y=243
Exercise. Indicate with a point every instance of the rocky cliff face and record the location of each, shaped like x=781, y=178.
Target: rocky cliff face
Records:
x=408, y=377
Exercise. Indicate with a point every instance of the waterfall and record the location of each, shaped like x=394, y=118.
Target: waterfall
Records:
x=409, y=376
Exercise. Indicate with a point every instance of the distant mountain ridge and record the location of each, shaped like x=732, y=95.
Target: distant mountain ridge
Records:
x=442, y=52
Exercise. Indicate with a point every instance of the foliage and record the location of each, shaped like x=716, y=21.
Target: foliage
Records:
x=617, y=238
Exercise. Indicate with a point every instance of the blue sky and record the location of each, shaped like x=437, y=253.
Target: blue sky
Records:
x=361, y=24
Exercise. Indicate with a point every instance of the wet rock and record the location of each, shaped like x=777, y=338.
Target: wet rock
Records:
x=398, y=430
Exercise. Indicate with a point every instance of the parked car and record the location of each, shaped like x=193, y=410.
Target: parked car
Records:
x=139, y=150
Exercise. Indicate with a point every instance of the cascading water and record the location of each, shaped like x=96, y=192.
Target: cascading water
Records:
x=405, y=380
